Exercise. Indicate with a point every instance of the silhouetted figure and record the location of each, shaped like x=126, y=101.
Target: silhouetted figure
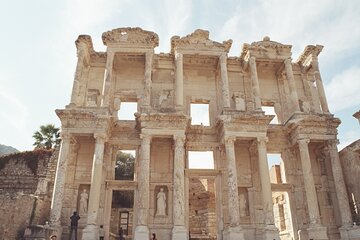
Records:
x=74, y=225
x=121, y=234
x=153, y=236
x=101, y=233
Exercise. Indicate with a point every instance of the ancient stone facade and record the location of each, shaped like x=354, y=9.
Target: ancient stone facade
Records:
x=240, y=196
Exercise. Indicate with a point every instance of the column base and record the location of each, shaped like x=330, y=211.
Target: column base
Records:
x=271, y=233
x=317, y=233
x=233, y=233
x=90, y=232
x=141, y=233
x=350, y=232
x=180, y=233
x=56, y=229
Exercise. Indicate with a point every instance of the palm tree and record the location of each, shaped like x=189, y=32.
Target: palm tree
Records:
x=48, y=136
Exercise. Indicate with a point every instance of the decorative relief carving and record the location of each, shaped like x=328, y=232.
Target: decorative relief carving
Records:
x=131, y=36
x=199, y=40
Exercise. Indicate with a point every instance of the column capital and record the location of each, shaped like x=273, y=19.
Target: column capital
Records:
x=179, y=139
x=262, y=139
x=100, y=137
x=287, y=60
x=303, y=141
x=65, y=136
x=229, y=139
x=332, y=144
x=145, y=137
x=252, y=60
x=178, y=56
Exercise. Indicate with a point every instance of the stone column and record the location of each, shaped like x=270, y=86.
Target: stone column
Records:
x=147, y=80
x=341, y=193
x=315, y=230
x=234, y=231
x=105, y=102
x=59, y=185
x=293, y=93
x=255, y=83
x=179, y=81
x=224, y=81
x=81, y=54
x=271, y=232
x=91, y=230
x=179, y=231
x=320, y=86
x=143, y=191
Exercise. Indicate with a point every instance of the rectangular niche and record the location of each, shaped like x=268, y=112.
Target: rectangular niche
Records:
x=83, y=199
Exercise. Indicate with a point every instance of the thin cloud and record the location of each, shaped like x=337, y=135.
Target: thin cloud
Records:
x=343, y=90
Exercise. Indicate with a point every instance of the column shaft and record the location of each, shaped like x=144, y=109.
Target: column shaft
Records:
x=224, y=81
x=290, y=76
x=179, y=81
x=255, y=83
x=59, y=185
x=81, y=55
x=309, y=183
x=341, y=193
x=233, y=191
x=147, y=80
x=107, y=79
x=96, y=180
x=179, y=182
x=265, y=182
x=320, y=86
x=144, y=181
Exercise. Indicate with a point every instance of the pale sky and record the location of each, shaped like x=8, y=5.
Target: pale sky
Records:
x=39, y=54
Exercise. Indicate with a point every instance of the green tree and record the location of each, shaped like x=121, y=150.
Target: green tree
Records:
x=47, y=137
x=124, y=168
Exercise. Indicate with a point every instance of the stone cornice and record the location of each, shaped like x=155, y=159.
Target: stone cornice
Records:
x=266, y=49
x=309, y=52
x=129, y=37
x=162, y=120
x=198, y=41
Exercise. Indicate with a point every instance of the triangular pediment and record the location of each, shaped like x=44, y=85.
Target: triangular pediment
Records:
x=198, y=41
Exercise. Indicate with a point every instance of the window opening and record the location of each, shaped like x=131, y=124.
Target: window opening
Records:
x=127, y=110
x=201, y=159
x=199, y=113
x=270, y=110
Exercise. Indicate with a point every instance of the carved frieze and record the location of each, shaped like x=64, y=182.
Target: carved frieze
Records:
x=131, y=37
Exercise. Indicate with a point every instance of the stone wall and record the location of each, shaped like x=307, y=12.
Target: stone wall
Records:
x=26, y=181
x=350, y=161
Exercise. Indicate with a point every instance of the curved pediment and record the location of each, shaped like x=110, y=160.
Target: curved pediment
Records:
x=199, y=41
x=130, y=37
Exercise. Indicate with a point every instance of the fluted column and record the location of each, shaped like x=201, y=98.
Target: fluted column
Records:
x=224, y=80
x=105, y=102
x=309, y=183
x=147, y=80
x=320, y=86
x=234, y=231
x=179, y=231
x=143, y=191
x=265, y=182
x=293, y=93
x=179, y=81
x=341, y=193
x=91, y=230
x=59, y=185
x=255, y=83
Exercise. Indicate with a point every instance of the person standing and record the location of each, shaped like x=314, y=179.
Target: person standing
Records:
x=74, y=225
x=153, y=236
x=101, y=233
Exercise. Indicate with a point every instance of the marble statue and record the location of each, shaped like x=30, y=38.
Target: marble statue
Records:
x=161, y=203
x=83, y=206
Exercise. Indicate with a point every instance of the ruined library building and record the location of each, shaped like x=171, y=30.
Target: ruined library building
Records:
x=178, y=144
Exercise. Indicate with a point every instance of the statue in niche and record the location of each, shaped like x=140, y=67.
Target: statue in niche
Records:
x=243, y=202
x=239, y=101
x=305, y=106
x=164, y=95
x=161, y=203
x=83, y=206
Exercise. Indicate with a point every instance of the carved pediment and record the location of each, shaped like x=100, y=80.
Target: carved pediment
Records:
x=309, y=52
x=199, y=41
x=131, y=37
x=266, y=49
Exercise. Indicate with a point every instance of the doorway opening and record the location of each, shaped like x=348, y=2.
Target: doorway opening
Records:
x=122, y=211
x=202, y=208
